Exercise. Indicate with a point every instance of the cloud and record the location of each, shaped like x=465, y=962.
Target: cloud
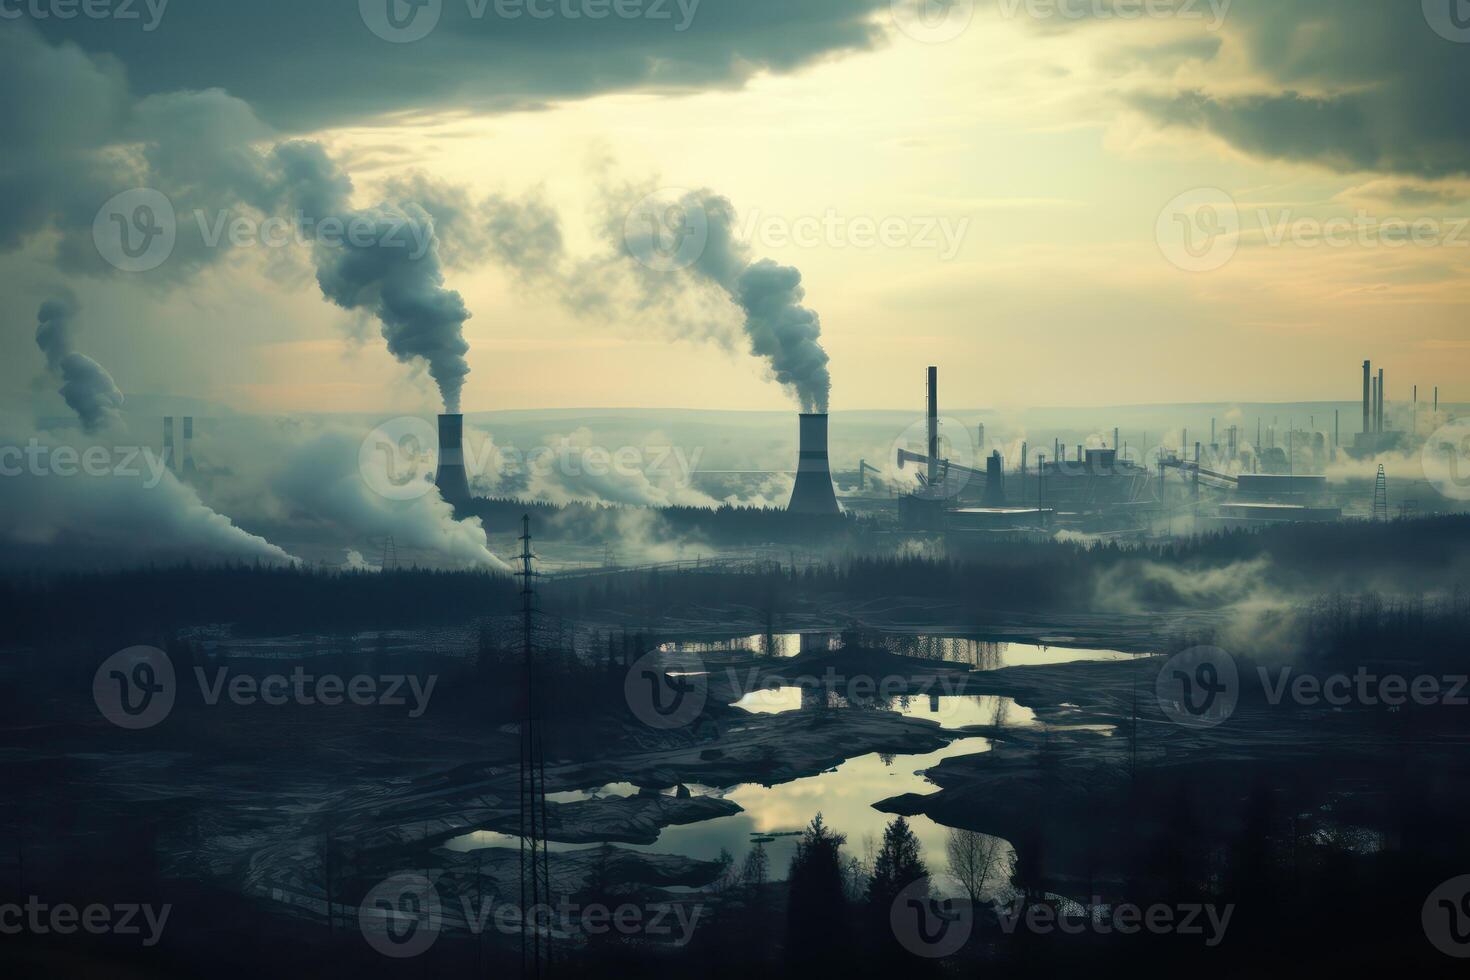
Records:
x=328, y=68
x=1348, y=86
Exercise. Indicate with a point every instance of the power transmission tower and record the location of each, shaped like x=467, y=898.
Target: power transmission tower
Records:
x=1380, y=496
x=535, y=863
x=390, y=554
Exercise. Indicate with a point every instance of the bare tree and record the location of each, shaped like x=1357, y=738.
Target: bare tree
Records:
x=973, y=858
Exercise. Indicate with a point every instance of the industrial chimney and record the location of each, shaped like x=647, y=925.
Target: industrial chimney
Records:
x=453, y=486
x=933, y=418
x=813, y=491
x=188, y=461
x=1367, y=396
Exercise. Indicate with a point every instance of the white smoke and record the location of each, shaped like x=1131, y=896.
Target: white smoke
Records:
x=127, y=511
x=85, y=385
x=385, y=264
x=301, y=483
x=777, y=327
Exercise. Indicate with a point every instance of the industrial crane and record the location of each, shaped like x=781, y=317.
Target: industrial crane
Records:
x=864, y=468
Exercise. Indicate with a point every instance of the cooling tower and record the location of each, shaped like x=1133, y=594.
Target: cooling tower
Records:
x=453, y=485
x=813, y=491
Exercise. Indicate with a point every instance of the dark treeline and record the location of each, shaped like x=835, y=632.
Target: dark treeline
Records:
x=255, y=599
x=1362, y=629
x=726, y=525
x=1403, y=557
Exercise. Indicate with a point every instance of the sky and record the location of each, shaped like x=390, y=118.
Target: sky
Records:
x=1060, y=202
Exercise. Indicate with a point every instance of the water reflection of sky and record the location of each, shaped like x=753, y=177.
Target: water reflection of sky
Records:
x=844, y=795
x=949, y=710
x=980, y=653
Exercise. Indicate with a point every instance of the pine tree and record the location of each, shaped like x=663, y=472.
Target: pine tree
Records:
x=816, y=933
x=898, y=866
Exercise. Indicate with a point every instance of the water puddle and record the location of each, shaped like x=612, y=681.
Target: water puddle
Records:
x=775, y=815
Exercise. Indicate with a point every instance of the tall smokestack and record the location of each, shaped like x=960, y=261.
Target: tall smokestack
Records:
x=453, y=485
x=188, y=459
x=1367, y=395
x=168, y=441
x=813, y=491
x=1381, y=399
x=933, y=474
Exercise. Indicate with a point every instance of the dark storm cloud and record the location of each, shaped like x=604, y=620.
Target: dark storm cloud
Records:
x=309, y=63
x=1350, y=86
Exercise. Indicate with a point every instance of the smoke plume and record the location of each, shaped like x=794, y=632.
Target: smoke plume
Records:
x=777, y=327
x=382, y=260
x=87, y=387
